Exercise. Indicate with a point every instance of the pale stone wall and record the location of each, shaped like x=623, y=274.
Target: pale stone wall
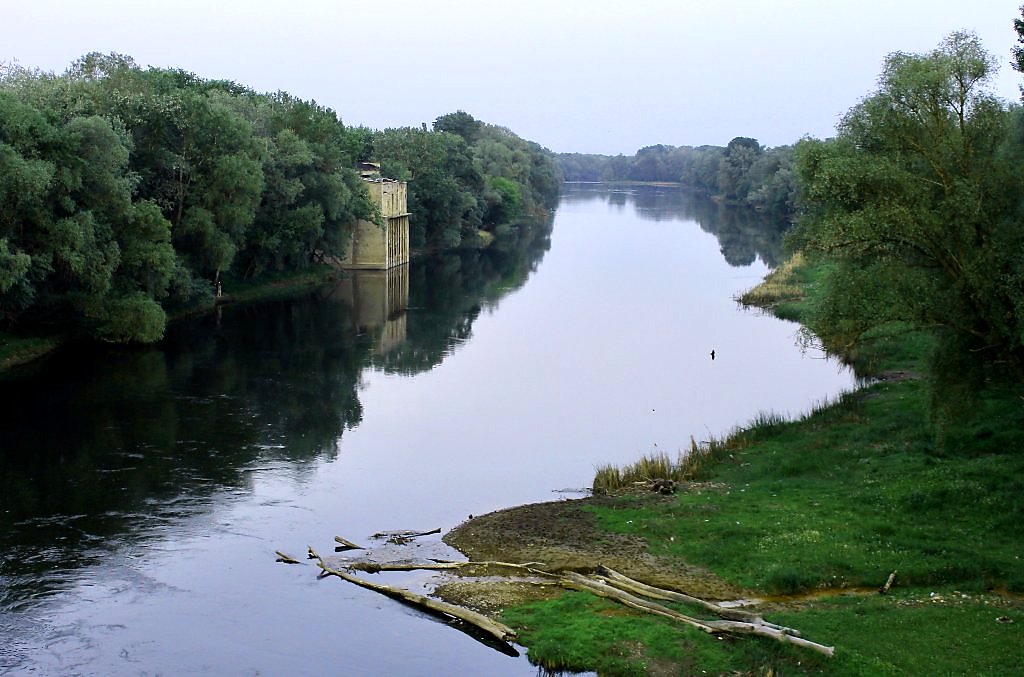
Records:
x=384, y=247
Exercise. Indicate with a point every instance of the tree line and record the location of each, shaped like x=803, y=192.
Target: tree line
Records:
x=127, y=193
x=743, y=173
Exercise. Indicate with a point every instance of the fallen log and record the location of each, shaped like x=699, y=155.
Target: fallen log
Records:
x=487, y=625
x=633, y=586
x=347, y=544
x=403, y=536
x=374, y=567
x=287, y=559
x=575, y=581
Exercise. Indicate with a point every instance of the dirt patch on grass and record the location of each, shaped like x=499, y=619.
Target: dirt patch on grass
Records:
x=564, y=535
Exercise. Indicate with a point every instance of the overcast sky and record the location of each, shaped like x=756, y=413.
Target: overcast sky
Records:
x=589, y=76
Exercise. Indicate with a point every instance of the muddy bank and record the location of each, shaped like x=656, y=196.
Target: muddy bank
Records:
x=565, y=535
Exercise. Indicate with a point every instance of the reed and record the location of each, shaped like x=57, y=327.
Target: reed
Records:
x=784, y=284
x=690, y=464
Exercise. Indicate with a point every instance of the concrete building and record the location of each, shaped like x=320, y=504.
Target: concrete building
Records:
x=375, y=247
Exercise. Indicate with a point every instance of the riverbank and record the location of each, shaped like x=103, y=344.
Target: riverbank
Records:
x=811, y=516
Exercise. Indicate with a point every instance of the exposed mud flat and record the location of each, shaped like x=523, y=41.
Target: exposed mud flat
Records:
x=563, y=535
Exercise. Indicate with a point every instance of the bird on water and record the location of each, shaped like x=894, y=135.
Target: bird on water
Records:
x=712, y=354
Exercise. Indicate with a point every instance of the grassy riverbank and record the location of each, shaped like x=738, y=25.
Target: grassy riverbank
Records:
x=813, y=516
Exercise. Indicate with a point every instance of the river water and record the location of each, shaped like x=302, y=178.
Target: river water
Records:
x=143, y=492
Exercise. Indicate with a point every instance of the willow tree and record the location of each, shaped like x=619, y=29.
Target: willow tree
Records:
x=918, y=202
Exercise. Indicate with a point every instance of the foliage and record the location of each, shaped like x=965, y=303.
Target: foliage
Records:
x=1018, y=52
x=693, y=464
x=443, y=183
x=465, y=176
x=917, y=203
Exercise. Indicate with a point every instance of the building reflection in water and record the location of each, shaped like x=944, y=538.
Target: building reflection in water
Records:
x=378, y=300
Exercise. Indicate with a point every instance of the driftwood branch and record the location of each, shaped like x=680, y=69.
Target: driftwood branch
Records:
x=622, y=582
x=347, y=544
x=287, y=559
x=483, y=623
x=888, y=584
x=576, y=581
x=403, y=536
x=374, y=567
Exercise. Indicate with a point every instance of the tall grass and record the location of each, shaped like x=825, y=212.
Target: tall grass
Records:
x=784, y=284
x=689, y=465
x=696, y=462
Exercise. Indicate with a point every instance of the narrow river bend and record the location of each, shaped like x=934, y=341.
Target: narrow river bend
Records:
x=143, y=492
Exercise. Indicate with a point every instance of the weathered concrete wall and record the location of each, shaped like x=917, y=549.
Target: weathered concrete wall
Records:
x=375, y=247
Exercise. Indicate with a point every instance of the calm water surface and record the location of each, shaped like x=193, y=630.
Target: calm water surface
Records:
x=143, y=492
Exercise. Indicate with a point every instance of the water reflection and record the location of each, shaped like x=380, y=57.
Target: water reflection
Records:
x=102, y=448
x=744, y=236
x=448, y=291
x=378, y=300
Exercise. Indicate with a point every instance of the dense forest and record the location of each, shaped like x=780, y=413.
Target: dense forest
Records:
x=129, y=193
x=743, y=173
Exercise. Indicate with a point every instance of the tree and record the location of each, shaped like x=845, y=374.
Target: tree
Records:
x=443, y=183
x=461, y=124
x=1018, y=52
x=918, y=203
x=733, y=179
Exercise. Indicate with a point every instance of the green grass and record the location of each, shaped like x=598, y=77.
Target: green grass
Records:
x=949, y=633
x=834, y=502
x=693, y=464
x=938, y=632
x=784, y=285
x=580, y=631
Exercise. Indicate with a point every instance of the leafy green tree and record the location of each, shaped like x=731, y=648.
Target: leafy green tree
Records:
x=443, y=187
x=461, y=124
x=311, y=195
x=918, y=202
x=126, y=190
x=734, y=182
x=74, y=245
x=1018, y=51
x=504, y=201
x=774, y=186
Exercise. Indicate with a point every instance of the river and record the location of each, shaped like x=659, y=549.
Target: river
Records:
x=143, y=492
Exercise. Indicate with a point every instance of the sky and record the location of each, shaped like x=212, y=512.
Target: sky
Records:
x=593, y=76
